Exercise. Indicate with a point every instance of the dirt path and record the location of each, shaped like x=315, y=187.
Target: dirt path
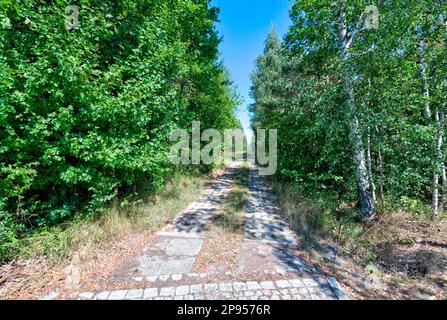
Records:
x=267, y=264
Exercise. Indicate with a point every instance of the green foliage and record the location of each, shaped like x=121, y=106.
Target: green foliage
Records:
x=300, y=84
x=9, y=230
x=85, y=114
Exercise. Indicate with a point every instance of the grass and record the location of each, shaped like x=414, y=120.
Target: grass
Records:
x=227, y=230
x=57, y=244
x=91, y=248
x=231, y=218
x=388, y=249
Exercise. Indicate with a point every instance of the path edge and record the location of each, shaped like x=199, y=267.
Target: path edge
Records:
x=341, y=295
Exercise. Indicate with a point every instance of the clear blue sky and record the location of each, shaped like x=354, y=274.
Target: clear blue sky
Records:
x=244, y=26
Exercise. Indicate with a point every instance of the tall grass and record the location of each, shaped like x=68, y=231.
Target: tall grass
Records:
x=121, y=218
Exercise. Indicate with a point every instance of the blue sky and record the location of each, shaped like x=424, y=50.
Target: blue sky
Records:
x=244, y=26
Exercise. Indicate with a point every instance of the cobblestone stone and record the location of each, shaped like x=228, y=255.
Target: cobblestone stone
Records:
x=267, y=285
x=102, y=295
x=167, y=292
x=283, y=284
x=251, y=290
x=118, y=295
x=134, y=294
x=150, y=293
x=182, y=290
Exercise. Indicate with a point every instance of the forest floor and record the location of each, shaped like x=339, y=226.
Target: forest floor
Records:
x=398, y=256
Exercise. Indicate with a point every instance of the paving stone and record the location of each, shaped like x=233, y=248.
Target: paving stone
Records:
x=294, y=291
x=321, y=281
x=310, y=282
x=51, y=296
x=211, y=287
x=267, y=292
x=167, y=292
x=297, y=283
x=253, y=285
x=118, y=295
x=286, y=297
x=238, y=286
x=176, y=277
x=283, y=284
x=337, y=289
x=184, y=247
x=303, y=291
x=151, y=279
x=284, y=291
x=196, y=288
x=225, y=287
x=275, y=297
x=248, y=293
x=102, y=295
x=163, y=277
x=313, y=289
x=150, y=293
x=86, y=295
x=134, y=294
x=267, y=285
x=281, y=271
x=182, y=290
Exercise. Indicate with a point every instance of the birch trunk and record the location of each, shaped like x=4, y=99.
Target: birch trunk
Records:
x=370, y=175
x=424, y=74
x=380, y=169
x=444, y=186
x=366, y=201
x=438, y=160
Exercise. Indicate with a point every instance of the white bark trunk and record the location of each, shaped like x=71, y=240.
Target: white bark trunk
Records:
x=370, y=175
x=366, y=201
x=438, y=160
x=444, y=186
x=380, y=169
x=424, y=74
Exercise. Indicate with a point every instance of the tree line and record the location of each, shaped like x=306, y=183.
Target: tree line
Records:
x=358, y=92
x=86, y=110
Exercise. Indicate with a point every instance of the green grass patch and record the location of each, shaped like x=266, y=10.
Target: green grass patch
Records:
x=232, y=216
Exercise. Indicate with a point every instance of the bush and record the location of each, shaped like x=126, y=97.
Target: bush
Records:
x=9, y=240
x=85, y=114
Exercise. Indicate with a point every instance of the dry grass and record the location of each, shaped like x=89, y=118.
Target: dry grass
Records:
x=399, y=256
x=79, y=250
x=227, y=229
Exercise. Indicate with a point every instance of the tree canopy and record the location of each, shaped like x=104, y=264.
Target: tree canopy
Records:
x=359, y=103
x=86, y=112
